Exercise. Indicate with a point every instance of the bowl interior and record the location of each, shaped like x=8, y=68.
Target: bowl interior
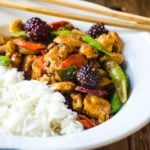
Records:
x=134, y=114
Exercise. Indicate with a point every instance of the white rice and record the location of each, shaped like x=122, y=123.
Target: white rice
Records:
x=30, y=108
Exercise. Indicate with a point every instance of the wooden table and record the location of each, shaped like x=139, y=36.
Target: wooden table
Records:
x=141, y=139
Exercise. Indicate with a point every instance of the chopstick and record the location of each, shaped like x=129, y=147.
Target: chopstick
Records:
x=73, y=16
x=107, y=12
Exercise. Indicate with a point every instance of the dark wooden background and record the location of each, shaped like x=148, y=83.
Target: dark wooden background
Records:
x=141, y=139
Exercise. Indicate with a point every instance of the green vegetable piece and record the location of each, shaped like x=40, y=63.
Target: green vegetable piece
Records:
x=116, y=103
x=21, y=34
x=89, y=40
x=119, y=79
x=62, y=32
x=4, y=61
x=67, y=73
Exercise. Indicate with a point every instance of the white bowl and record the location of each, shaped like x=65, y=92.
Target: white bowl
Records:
x=134, y=114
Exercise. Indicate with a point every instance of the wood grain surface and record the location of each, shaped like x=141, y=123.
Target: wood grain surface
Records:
x=141, y=139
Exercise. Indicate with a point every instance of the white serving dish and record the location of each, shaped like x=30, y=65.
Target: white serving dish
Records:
x=134, y=114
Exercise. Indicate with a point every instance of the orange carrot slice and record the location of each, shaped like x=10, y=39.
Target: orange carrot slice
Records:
x=29, y=45
x=74, y=60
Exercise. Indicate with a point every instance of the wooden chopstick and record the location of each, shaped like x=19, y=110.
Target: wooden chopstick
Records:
x=73, y=16
x=107, y=12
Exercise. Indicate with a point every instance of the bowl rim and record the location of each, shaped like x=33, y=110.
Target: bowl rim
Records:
x=26, y=142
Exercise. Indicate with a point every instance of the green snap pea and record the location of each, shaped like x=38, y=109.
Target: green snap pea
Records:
x=4, y=61
x=91, y=41
x=119, y=79
x=61, y=32
x=21, y=34
x=116, y=103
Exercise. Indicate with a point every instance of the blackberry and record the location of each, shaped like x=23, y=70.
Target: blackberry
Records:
x=96, y=30
x=37, y=30
x=88, y=76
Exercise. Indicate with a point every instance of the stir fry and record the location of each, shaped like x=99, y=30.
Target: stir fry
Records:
x=86, y=67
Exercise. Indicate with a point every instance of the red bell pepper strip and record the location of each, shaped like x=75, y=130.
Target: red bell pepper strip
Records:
x=86, y=122
x=57, y=24
x=29, y=45
x=74, y=60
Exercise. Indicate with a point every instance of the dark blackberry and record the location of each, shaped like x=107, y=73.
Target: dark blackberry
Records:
x=88, y=76
x=37, y=30
x=96, y=30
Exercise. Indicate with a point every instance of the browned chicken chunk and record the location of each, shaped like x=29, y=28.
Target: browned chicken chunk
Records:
x=111, y=42
x=37, y=68
x=56, y=52
x=88, y=51
x=77, y=101
x=45, y=79
x=8, y=49
x=27, y=64
x=52, y=55
x=16, y=59
x=96, y=107
x=117, y=57
x=73, y=41
x=15, y=25
x=65, y=86
x=3, y=39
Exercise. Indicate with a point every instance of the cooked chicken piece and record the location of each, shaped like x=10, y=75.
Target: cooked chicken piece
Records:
x=45, y=79
x=27, y=64
x=15, y=25
x=107, y=41
x=77, y=101
x=64, y=50
x=96, y=107
x=65, y=86
x=10, y=48
x=37, y=67
x=3, y=39
x=16, y=59
x=57, y=53
x=117, y=57
x=104, y=82
x=71, y=40
x=3, y=49
x=51, y=67
x=52, y=55
x=51, y=45
x=88, y=51
x=111, y=42
x=118, y=44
